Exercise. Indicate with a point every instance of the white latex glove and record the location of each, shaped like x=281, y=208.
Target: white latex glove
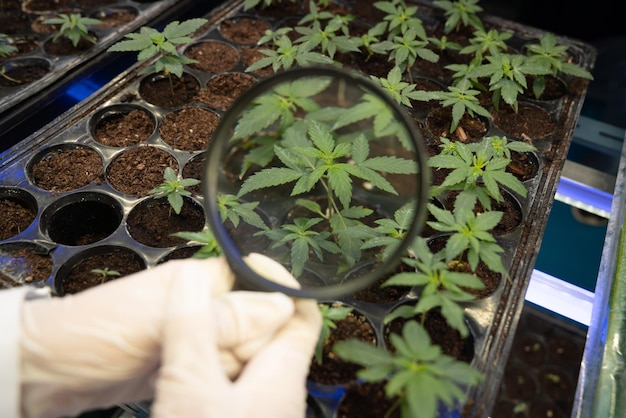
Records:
x=115, y=342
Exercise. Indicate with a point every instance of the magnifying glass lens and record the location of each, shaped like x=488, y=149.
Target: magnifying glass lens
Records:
x=322, y=171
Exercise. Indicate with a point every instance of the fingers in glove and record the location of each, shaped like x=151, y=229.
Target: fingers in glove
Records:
x=284, y=361
x=245, y=322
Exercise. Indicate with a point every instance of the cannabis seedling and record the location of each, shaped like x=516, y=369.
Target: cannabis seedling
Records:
x=460, y=13
x=173, y=189
x=150, y=42
x=417, y=372
x=73, y=27
x=330, y=315
x=442, y=287
x=484, y=43
x=470, y=237
x=285, y=54
x=105, y=273
x=552, y=55
x=461, y=98
x=478, y=169
x=507, y=75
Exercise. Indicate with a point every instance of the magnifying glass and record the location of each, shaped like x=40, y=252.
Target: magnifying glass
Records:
x=321, y=170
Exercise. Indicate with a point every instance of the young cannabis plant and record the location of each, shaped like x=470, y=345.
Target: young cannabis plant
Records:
x=73, y=27
x=552, y=55
x=400, y=18
x=507, y=75
x=105, y=273
x=389, y=233
x=461, y=98
x=285, y=54
x=442, y=287
x=209, y=247
x=173, y=189
x=416, y=372
x=470, y=237
x=460, y=13
x=484, y=43
x=406, y=48
x=150, y=42
x=326, y=40
x=331, y=165
x=401, y=91
x=478, y=170
x=330, y=315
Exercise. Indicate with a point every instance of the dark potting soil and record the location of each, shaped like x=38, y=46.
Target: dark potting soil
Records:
x=222, y=90
x=366, y=400
x=169, y=92
x=528, y=123
x=212, y=56
x=81, y=277
x=125, y=129
x=469, y=129
x=333, y=370
x=153, y=222
x=114, y=18
x=244, y=30
x=25, y=264
x=68, y=169
x=189, y=129
x=64, y=46
x=23, y=75
x=138, y=170
x=16, y=218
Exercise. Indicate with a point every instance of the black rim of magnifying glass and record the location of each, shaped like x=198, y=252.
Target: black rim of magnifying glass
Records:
x=248, y=278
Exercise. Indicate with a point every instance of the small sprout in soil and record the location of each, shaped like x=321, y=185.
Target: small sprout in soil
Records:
x=6, y=48
x=209, y=245
x=105, y=273
x=443, y=287
x=73, y=27
x=461, y=13
x=173, y=189
x=150, y=42
x=418, y=373
x=330, y=315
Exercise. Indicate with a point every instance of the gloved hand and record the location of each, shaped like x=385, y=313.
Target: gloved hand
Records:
x=175, y=328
